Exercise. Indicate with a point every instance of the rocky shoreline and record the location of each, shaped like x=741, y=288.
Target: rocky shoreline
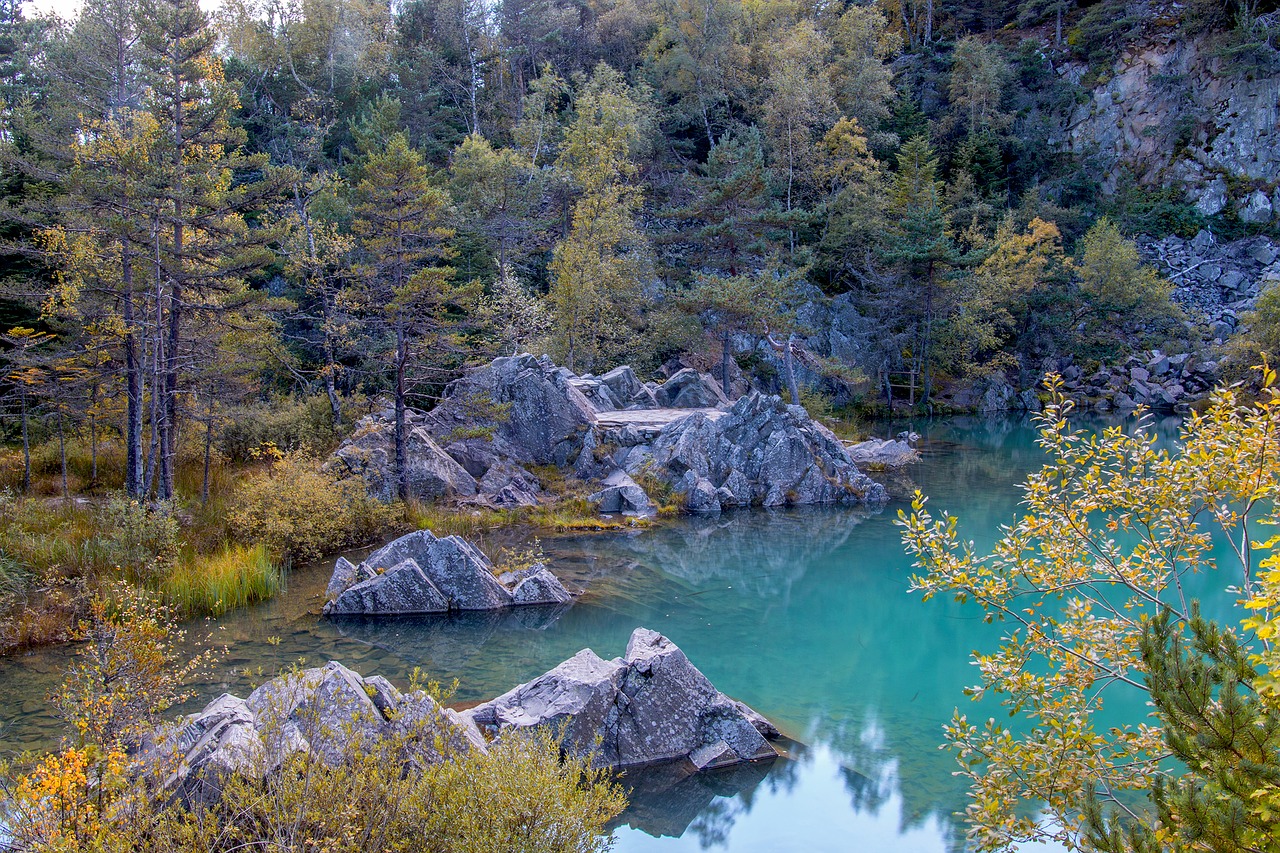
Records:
x=651, y=706
x=479, y=444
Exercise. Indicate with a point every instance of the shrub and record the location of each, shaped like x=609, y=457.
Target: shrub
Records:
x=298, y=511
x=141, y=540
x=289, y=422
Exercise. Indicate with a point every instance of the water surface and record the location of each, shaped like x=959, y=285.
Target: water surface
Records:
x=803, y=614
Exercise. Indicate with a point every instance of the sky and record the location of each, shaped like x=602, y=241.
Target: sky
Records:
x=69, y=8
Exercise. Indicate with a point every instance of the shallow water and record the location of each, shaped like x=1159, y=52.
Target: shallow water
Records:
x=803, y=614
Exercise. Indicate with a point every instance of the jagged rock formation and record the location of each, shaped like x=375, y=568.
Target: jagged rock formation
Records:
x=529, y=409
x=652, y=705
x=325, y=713
x=689, y=389
x=419, y=573
x=761, y=452
x=1173, y=111
x=370, y=454
x=525, y=410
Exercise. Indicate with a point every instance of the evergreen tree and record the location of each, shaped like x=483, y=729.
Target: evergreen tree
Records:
x=399, y=221
x=1225, y=732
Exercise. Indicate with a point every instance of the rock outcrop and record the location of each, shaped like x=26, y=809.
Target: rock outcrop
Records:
x=761, y=452
x=529, y=408
x=370, y=454
x=420, y=573
x=326, y=713
x=622, y=494
x=1172, y=110
x=689, y=389
x=650, y=706
x=523, y=410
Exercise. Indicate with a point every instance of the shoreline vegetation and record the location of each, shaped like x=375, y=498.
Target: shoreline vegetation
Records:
x=263, y=509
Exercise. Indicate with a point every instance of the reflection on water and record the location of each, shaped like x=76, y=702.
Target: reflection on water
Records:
x=804, y=615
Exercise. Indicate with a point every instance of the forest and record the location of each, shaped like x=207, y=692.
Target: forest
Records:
x=232, y=239
x=229, y=234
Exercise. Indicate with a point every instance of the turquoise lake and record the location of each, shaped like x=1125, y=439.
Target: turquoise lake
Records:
x=803, y=614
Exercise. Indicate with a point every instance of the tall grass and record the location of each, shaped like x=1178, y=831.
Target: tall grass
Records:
x=211, y=584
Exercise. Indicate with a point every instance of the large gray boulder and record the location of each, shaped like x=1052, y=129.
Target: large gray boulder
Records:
x=762, y=452
x=430, y=472
x=620, y=493
x=529, y=407
x=326, y=714
x=420, y=573
x=689, y=389
x=652, y=705
x=628, y=390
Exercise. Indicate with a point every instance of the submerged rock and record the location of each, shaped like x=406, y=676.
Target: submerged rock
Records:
x=762, y=452
x=420, y=573
x=890, y=453
x=650, y=706
x=326, y=713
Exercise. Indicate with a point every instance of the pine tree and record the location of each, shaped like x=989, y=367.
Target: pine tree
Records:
x=400, y=225
x=598, y=268
x=1223, y=730
x=201, y=244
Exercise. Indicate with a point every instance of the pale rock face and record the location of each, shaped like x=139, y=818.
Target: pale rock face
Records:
x=1212, y=199
x=1139, y=118
x=650, y=706
x=430, y=472
x=322, y=713
x=1255, y=208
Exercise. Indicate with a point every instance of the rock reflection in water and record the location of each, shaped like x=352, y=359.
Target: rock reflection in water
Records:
x=668, y=800
x=766, y=551
x=447, y=642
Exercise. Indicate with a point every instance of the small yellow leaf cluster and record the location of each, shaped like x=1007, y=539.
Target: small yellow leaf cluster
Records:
x=62, y=803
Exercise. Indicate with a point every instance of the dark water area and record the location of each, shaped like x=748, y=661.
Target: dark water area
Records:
x=803, y=614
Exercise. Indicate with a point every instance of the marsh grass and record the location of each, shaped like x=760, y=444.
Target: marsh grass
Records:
x=211, y=584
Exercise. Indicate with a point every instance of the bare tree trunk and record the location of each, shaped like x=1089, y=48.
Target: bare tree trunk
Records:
x=335, y=405
x=789, y=361
x=26, y=443
x=62, y=452
x=157, y=380
x=402, y=361
x=208, y=449
x=133, y=384
x=170, y=435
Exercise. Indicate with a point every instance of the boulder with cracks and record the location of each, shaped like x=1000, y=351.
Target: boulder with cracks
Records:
x=420, y=573
x=651, y=705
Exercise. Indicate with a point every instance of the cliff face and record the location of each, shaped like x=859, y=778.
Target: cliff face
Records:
x=1176, y=114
